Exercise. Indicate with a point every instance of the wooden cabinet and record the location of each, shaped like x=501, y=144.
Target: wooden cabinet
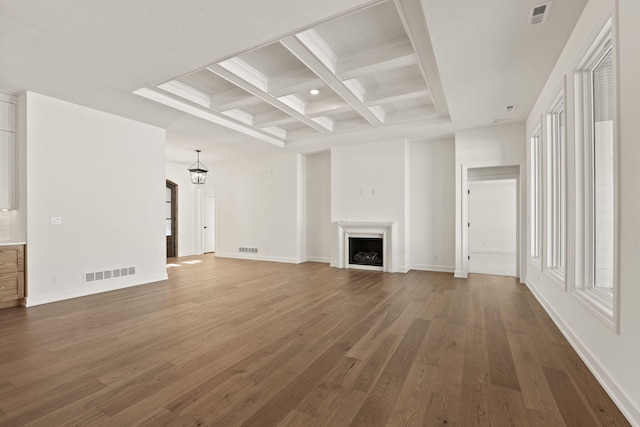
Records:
x=12, y=289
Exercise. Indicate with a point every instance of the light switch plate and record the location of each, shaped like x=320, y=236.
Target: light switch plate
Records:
x=56, y=220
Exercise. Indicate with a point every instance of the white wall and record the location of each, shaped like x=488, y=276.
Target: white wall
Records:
x=319, y=230
x=612, y=357
x=484, y=147
x=492, y=215
x=432, y=205
x=189, y=207
x=104, y=176
x=368, y=183
x=257, y=206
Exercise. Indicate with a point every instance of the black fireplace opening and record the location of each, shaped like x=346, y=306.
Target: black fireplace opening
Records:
x=365, y=251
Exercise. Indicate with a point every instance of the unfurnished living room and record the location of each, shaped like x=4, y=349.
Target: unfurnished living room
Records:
x=319, y=213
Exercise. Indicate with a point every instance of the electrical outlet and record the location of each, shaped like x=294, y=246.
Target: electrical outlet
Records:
x=56, y=220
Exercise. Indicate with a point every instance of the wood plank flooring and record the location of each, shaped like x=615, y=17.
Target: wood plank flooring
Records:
x=240, y=343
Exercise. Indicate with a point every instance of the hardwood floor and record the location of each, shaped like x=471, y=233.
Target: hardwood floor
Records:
x=228, y=342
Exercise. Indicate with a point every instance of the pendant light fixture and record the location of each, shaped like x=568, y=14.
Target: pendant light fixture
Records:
x=198, y=171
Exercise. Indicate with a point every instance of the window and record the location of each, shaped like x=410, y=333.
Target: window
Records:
x=556, y=192
x=602, y=146
x=596, y=272
x=536, y=194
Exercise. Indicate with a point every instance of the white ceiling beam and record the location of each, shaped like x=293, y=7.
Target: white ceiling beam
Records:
x=233, y=98
x=309, y=48
x=400, y=91
x=173, y=101
x=300, y=80
x=187, y=92
x=277, y=131
x=415, y=25
x=240, y=115
x=418, y=113
x=261, y=91
x=389, y=56
x=272, y=118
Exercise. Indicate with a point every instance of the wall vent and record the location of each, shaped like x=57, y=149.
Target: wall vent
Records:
x=109, y=274
x=248, y=250
x=538, y=14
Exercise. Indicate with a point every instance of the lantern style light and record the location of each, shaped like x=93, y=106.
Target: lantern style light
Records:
x=198, y=171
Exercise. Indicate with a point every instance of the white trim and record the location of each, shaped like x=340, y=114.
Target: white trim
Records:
x=287, y=260
x=493, y=251
x=434, y=268
x=630, y=410
x=92, y=289
x=384, y=229
x=325, y=260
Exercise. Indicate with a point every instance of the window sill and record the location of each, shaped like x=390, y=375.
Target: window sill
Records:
x=597, y=305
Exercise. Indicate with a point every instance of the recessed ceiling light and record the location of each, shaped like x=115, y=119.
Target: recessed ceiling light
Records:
x=510, y=108
x=495, y=121
x=314, y=91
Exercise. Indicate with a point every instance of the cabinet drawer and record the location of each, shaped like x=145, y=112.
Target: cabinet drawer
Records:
x=11, y=286
x=11, y=259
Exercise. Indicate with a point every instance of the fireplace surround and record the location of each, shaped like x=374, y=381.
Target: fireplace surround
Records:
x=384, y=230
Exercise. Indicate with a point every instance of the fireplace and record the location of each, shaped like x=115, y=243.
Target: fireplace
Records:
x=375, y=245
x=366, y=251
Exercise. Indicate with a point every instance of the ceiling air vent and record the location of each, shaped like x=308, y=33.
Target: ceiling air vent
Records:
x=538, y=14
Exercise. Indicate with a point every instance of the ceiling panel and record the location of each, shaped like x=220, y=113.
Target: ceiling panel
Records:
x=357, y=70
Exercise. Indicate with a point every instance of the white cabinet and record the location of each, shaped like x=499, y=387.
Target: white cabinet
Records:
x=7, y=153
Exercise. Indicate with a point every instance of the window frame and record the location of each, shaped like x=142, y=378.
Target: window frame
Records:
x=556, y=190
x=603, y=304
x=536, y=200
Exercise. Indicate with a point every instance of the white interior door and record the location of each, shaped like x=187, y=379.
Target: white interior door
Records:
x=492, y=213
x=208, y=223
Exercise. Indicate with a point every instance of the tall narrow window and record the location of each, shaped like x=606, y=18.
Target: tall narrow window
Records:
x=596, y=184
x=603, y=171
x=556, y=125
x=536, y=195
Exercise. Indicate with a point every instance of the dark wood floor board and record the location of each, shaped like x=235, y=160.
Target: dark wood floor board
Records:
x=543, y=419
x=595, y=396
x=228, y=342
x=571, y=403
x=410, y=408
x=320, y=398
x=475, y=386
x=374, y=365
x=507, y=408
x=533, y=384
x=501, y=365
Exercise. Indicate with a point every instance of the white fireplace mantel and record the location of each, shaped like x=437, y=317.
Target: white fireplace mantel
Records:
x=384, y=229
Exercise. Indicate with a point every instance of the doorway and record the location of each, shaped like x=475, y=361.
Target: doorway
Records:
x=171, y=218
x=208, y=223
x=492, y=223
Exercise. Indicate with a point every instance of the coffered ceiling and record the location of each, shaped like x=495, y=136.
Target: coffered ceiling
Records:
x=368, y=68
x=233, y=77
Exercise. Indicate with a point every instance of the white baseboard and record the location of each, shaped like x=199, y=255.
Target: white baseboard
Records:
x=459, y=274
x=402, y=269
x=492, y=251
x=92, y=289
x=325, y=260
x=628, y=408
x=252, y=257
x=435, y=268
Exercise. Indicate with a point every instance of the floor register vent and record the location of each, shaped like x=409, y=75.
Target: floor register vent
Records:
x=248, y=250
x=109, y=274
